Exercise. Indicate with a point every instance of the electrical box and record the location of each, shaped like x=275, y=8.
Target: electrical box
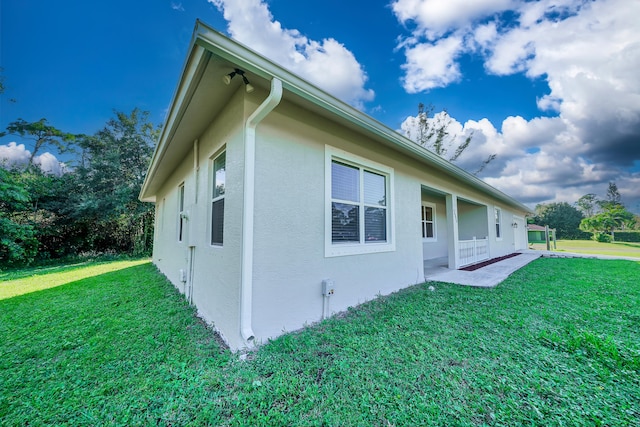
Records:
x=328, y=287
x=183, y=275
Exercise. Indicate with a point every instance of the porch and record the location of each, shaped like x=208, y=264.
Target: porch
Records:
x=455, y=231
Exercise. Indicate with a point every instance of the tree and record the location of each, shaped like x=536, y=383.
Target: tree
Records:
x=613, y=215
x=587, y=204
x=433, y=134
x=43, y=135
x=613, y=200
x=561, y=216
x=18, y=244
x=109, y=180
x=608, y=221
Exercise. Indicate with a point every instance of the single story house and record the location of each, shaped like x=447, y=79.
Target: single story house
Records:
x=538, y=234
x=277, y=204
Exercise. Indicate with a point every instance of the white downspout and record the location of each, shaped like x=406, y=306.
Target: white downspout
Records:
x=246, y=281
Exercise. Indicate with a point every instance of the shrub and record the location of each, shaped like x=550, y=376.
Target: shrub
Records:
x=627, y=236
x=602, y=237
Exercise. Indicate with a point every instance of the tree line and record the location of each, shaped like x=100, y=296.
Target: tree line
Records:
x=588, y=217
x=91, y=208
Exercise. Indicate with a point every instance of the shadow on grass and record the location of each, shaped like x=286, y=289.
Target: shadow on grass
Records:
x=628, y=244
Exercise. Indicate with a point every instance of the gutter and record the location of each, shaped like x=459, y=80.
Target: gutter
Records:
x=246, y=280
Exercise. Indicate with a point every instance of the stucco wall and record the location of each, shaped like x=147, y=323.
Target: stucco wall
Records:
x=438, y=248
x=290, y=261
x=290, y=207
x=472, y=221
x=216, y=270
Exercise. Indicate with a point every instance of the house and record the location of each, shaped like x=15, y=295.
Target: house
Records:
x=537, y=234
x=277, y=204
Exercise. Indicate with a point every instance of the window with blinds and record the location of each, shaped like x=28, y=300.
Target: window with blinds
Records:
x=358, y=204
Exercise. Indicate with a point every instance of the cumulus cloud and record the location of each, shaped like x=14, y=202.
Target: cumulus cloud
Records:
x=326, y=63
x=430, y=66
x=16, y=155
x=589, y=54
x=434, y=18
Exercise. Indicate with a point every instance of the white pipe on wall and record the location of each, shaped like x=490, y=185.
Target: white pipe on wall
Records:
x=246, y=281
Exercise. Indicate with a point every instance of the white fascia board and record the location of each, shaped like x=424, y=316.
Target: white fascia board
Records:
x=191, y=73
x=248, y=60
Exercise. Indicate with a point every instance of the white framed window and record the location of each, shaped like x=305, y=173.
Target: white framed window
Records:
x=219, y=166
x=359, y=205
x=181, y=220
x=428, y=222
x=498, y=214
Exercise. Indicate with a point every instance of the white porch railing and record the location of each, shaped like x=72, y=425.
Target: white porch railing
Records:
x=472, y=251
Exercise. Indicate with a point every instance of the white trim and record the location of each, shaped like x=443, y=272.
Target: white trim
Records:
x=500, y=221
x=181, y=225
x=433, y=221
x=341, y=249
x=212, y=199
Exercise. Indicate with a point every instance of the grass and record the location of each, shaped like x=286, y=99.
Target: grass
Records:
x=626, y=249
x=20, y=282
x=558, y=343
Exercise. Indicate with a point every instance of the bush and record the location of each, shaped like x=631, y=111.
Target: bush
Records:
x=627, y=236
x=602, y=237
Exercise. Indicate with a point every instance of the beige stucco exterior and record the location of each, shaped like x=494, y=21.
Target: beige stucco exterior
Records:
x=289, y=230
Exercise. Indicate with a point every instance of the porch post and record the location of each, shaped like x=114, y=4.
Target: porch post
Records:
x=452, y=231
x=491, y=223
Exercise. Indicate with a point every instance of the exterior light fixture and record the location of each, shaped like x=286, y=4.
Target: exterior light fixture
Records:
x=514, y=225
x=227, y=79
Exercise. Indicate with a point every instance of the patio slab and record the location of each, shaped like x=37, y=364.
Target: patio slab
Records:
x=493, y=274
x=488, y=276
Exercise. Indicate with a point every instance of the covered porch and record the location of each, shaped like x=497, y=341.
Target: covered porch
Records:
x=455, y=231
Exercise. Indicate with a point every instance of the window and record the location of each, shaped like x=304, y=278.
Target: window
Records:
x=358, y=192
x=498, y=223
x=217, y=199
x=181, y=212
x=428, y=221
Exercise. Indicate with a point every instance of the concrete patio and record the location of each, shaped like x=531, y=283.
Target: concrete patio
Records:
x=493, y=274
x=485, y=277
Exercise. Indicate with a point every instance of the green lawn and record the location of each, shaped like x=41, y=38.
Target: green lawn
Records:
x=626, y=249
x=558, y=343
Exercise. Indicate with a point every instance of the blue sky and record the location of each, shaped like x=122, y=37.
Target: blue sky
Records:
x=551, y=87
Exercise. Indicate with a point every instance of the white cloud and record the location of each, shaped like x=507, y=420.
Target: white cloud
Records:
x=589, y=54
x=430, y=66
x=434, y=18
x=16, y=155
x=327, y=63
x=177, y=6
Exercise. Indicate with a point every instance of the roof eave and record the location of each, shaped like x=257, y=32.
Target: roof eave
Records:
x=206, y=39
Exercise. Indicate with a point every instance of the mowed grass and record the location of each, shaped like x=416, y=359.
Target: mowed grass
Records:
x=558, y=343
x=619, y=249
x=19, y=282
